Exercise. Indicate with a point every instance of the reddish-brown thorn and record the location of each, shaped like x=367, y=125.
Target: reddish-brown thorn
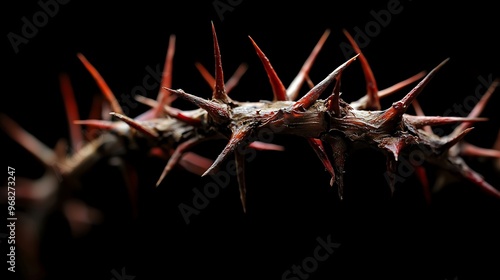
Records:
x=424, y=181
x=43, y=153
x=76, y=135
x=309, y=82
x=476, y=111
x=398, y=108
x=176, y=156
x=95, y=113
x=309, y=98
x=230, y=84
x=171, y=111
x=467, y=149
x=236, y=139
x=217, y=111
x=478, y=180
x=332, y=102
x=166, y=81
x=339, y=150
x=361, y=103
x=319, y=149
x=277, y=86
x=496, y=146
x=455, y=139
x=100, y=124
x=240, y=176
x=235, y=78
x=96, y=107
x=420, y=112
x=219, y=92
x=195, y=163
x=373, y=102
x=263, y=146
x=188, y=120
x=205, y=74
x=293, y=89
x=106, y=109
x=136, y=125
x=398, y=86
x=146, y=101
x=394, y=145
x=115, y=106
x=424, y=121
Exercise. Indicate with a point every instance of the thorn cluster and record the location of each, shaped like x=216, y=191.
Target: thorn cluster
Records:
x=329, y=125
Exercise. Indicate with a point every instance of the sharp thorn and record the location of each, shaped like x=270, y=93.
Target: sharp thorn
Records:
x=424, y=181
x=396, y=111
x=277, y=86
x=76, y=135
x=195, y=163
x=219, y=112
x=478, y=109
x=467, y=149
x=420, y=112
x=219, y=92
x=235, y=78
x=115, y=106
x=455, y=139
x=38, y=149
x=176, y=157
x=236, y=140
x=372, y=102
x=332, y=103
x=263, y=146
x=293, y=89
x=307, y=100
x=424, y=121
x=319, y=149
x=240, y=175
x=398, y=86
x=136, y=125
x=164, y=97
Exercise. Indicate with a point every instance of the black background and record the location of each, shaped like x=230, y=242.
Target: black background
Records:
x=290, y=203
